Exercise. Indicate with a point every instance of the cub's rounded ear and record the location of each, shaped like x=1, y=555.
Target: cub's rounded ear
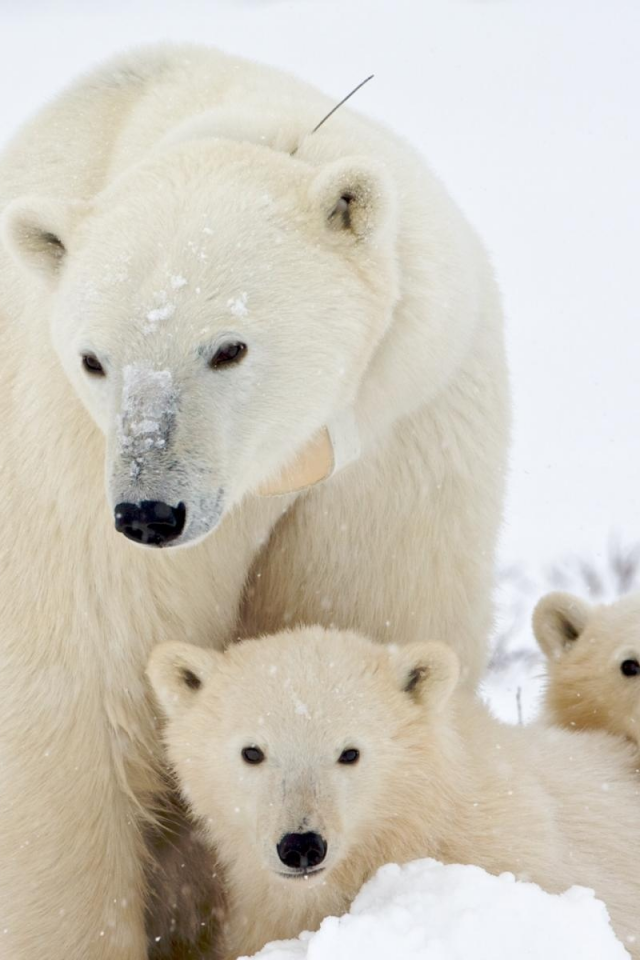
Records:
x=558, y=621
x=178, y=672
x=355, y=198
x=36, y=232
x=426, y=672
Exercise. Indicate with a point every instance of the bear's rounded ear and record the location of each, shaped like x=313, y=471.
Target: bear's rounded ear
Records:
x=558, y=621
x=355, y=198
x=36, y=232
x=426, y=672
x=178, y=672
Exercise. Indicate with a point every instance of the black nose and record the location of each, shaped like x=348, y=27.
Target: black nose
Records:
x=302, y=850
x=151, y=522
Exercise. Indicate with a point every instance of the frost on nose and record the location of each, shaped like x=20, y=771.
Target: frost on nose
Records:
x=148, y=409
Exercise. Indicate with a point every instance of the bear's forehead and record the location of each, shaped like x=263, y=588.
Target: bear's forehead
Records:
x=195, y=278
x=183, y=261
x=598, y=656
x=199, y=216
x=623, y=616
x=311, y=678
x=320, y=692
x=320, y=698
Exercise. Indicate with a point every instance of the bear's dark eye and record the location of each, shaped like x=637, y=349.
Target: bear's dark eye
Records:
x=252, y=755
x=349, y=756
x=630, y=668
x=191, y=679
x=92, y=365
x=228, y=353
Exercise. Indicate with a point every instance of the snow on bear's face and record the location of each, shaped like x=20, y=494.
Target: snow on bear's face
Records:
x=291, y=748
x=214, y=308
x=593, y=662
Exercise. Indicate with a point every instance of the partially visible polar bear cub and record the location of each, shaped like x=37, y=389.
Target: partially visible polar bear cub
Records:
x=593, y=662
x=314, y=757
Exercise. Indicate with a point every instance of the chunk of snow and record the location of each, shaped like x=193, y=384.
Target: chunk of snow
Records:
x=145, y=426
x=148, y=403
x=428, y=911
x=301, y=708
x=165, y=312
x=238, y=305
x=178, y=281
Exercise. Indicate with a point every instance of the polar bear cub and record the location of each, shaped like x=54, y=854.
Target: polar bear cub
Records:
x=593, y=662
x=313, y=757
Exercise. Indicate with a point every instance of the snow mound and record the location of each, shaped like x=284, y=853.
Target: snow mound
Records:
x=427, y=911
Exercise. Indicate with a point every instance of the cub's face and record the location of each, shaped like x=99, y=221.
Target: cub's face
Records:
x=593, y=662
x=213, y=310
x=291, y=748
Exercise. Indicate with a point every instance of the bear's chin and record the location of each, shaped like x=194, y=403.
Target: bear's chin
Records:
x=309, y=878
x=184, y=541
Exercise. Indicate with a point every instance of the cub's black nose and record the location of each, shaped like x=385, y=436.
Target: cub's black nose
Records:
x=151, y=522
x=299, y=851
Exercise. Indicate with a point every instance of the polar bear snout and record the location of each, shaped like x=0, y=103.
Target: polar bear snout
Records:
x=302, y=852
x=151, y=522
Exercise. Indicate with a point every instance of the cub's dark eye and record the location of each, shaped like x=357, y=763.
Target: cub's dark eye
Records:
x=349, y=756
x=92, y=365
x=630, y=668
x=253, y=755
x=228, y=353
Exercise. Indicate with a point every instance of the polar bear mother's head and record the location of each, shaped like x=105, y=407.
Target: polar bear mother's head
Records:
x=214, y=308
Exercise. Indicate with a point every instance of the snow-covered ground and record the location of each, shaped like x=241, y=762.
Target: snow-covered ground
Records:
x=528, y=109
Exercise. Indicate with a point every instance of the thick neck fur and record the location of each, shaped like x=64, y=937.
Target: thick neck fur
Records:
x=285, y=908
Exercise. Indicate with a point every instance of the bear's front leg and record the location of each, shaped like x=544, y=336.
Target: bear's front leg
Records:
x=71, y=879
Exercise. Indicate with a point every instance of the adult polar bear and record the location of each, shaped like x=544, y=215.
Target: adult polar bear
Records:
x=162, y=215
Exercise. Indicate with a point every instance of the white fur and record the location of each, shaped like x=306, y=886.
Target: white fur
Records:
x=175, y=163
x=438, y=776
x=585, y=646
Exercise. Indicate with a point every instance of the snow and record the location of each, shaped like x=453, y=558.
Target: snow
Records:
x=528, y=111
x=157, y=315
x=427, y=911
x=301, y=708
x=164, y=312
x=238, y=305
x=148, y=401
